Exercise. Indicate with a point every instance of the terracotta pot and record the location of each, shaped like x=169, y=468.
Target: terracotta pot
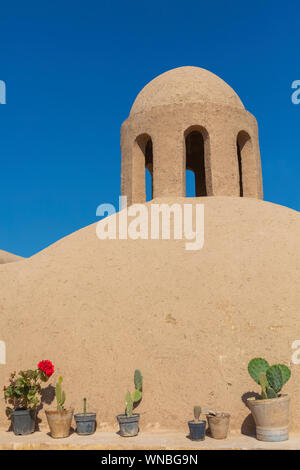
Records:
x=271, y=417
x=59, y=422
x=219, y=425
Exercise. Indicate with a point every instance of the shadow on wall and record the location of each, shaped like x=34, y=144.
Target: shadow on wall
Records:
x=248, y=425
x=47, y=397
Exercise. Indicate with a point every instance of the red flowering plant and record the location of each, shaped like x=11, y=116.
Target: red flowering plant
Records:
x=25, y=387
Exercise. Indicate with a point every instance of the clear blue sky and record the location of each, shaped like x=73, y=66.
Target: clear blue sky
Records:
x=73, y=69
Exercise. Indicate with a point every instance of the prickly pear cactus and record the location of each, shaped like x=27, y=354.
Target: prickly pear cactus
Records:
x=134, y=399
x=256, y=367
x=271, y=378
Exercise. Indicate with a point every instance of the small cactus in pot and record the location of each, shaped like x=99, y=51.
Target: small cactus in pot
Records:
x=198, y=426
x=85, y=422
x=59, y=420
x=271, y=410
x=129, y=421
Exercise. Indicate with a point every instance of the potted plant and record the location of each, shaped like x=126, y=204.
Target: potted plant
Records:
x=85, y=422
x=218, y=423
x=129, y=422
x=22, y=394
x=59, y=420
x=271, y=410
x=197, y=427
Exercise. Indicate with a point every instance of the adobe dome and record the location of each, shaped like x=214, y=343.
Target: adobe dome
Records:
x=180, y=316
x=185, y=85
x=6, y=257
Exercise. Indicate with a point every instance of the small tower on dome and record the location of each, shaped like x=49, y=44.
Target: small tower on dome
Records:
x=190, y=119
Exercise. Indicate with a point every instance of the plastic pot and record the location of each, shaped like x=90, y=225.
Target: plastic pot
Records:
x=129, y=425
x=271, y=417
x=59, y=422
x=197, y=430
x=23, y=421
x=85, y=423
x=219, y=425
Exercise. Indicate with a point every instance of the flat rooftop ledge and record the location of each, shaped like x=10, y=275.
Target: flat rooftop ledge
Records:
x=145, y=440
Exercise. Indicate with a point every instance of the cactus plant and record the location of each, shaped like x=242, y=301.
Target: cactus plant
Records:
x=84, y=406
x=270, y=378
x=133, y=400
x=197, y=413
x=60, y=395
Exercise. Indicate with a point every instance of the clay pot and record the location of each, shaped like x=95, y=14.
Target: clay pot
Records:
x=23, y=421
x=197, y=430
x=129, y=425
x=219, y=425
x=59, y=422
x=85, y=423
x=271, y=417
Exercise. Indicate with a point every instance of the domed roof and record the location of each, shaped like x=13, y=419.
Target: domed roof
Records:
x=185, y=85
x=6, y=257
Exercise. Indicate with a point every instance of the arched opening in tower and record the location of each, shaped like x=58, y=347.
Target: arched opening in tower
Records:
x=195, y=163
x=142, y=169
x=149, y=170
x=239, y=156
x=246, y=165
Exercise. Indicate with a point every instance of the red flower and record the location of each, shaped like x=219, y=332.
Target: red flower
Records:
x=47, y=367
